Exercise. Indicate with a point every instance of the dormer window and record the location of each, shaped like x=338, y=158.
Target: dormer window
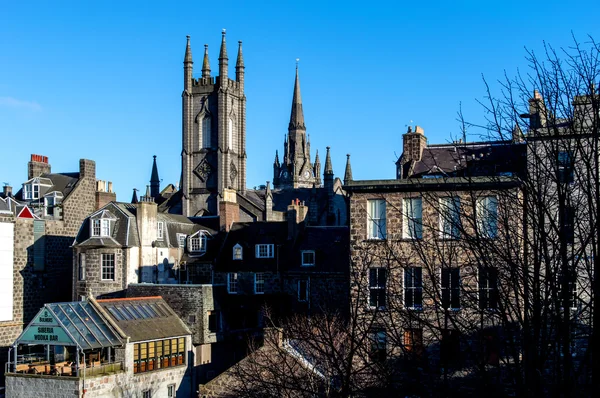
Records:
x=100, y=223
x=237, y=252
x=181, y=240
x=160, y=230
x=264, y=251
x=308, y=258
x=51, y=200
x=31, y=191
x=101, y=227
x=198, y=243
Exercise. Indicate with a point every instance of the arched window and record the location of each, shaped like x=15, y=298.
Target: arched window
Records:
x=205, y=143
x=230, y=133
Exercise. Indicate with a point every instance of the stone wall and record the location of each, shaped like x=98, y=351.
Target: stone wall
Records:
x=93, y=282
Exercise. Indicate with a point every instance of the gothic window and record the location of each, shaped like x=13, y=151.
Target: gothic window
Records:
x=230, y=132
x=206, y=127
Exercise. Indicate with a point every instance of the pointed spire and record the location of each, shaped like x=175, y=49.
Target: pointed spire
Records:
x=268, y=193
x=223, y=53
x=223, y=61
x=148, y=192
x=240, y=57
x=188, y=52
x=317, y=160
x=206, y=63
x=134, y=198
x=348, y=173
x=328, y=167
x=276, y=163
x=154, y=180
x=297, y=116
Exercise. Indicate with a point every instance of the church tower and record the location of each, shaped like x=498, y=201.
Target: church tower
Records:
x=213, y=155
x=296, y=170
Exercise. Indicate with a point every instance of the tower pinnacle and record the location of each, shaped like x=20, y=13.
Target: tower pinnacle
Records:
x=328, y=167
x=223, y=60
x=348, y=173
x=154, y=180
x=297, y=115
x=188, y=52
x=205, y=63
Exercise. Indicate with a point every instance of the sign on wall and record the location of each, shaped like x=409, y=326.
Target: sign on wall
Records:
x=45, y=329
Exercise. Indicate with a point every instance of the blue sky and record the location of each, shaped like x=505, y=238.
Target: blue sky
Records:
x=103, y=80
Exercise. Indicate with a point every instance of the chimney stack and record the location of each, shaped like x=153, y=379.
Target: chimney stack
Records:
x=229, y=210
x=37, y=166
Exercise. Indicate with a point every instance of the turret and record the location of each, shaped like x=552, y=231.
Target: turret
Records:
x=187, y=66
x=348, y=172
x=205, y=63
x=223, y=61
x=154, y=181
x=239, y=67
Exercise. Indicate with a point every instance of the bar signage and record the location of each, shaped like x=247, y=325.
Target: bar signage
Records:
x=45, y=330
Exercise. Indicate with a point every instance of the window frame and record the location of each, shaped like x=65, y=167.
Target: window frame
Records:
x=413, y=290
x=412, y=224
x=238, y=252
x=376, y=219
x=449, y=217
x=232, y=282
x=450, y=282
x=198, y=243
x=378, y=349
x=378, y=289
x=565, y=167
x=108, y=266
x=81, y=267
x=308, y=264
x=160, y=230
x=269, y=248
x=181, y=239
x=488, y=290
x=259, y=280
x=486, y=217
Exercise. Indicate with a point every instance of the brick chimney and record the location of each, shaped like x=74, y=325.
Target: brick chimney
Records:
x=537, y=111
x=229, y=210
x=413, y=144
x=104, y=193
x=37, y=166
x=7, y=191
x=146, y=219
x=296, y=213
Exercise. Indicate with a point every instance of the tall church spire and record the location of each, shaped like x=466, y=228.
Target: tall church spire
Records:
x=154, y=180
x=188, y=52
x=297, y=116
x=205, y=63
x=223, y=60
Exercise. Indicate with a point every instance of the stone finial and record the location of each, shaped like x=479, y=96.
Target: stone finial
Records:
x=240, y=57
x=206, y=63
x=328, y=168
x=223, y=52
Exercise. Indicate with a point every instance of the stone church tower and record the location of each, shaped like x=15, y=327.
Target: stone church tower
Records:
x=213, y=156
x=296, y=171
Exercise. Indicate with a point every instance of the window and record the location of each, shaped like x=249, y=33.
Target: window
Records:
x=488, y=288
x=171, y=391
x=160, y=230
x=378, y=345
x=32, y=190
x=214, y=321
x=205, y=132
x=181, y=240
x=108, y=266
x=237, y=252
x=487, y=216
x=101, y=227
x=81, y=267
x=377, y=287
x=303, y=290
x=146, y=394
x=413, y=218
x=264, y=251
x=567, y=224
x=572, y=292
x=49, y=203
x=158, y=354
x=451, y=288
x=308, y=258
x=565, y=167
x=413, y=342
x=198, y=243
x=413, y=288
x=449, y=217
x=259, y=283
x=230, y=133
x=232, y=283
x=376, y=219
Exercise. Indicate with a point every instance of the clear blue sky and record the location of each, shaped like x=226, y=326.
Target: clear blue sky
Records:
x=103, y=80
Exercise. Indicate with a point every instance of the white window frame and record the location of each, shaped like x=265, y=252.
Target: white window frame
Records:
x=308, y=264
x=198, y=243
x=376, y=219
x=238, y=252
x=81, y=267
x=377, y=288
x=181, y=238
x=450, y=288
x=171, y=390
x=487, y=216
x=105, y=270
x=412, y=289
x=232, y=282
x=306, y=290
x=259, y=283
x=31, y=190
x=412, y=218
x=265, y=250
x=160, y=230
x=449, y=217
x=100, y=227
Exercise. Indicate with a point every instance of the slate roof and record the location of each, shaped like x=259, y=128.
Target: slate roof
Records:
x=144, y=318
x=60, y=182
x=330, y=244
x=472, y=159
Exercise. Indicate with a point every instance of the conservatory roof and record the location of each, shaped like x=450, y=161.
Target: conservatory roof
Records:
x=78, y=323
